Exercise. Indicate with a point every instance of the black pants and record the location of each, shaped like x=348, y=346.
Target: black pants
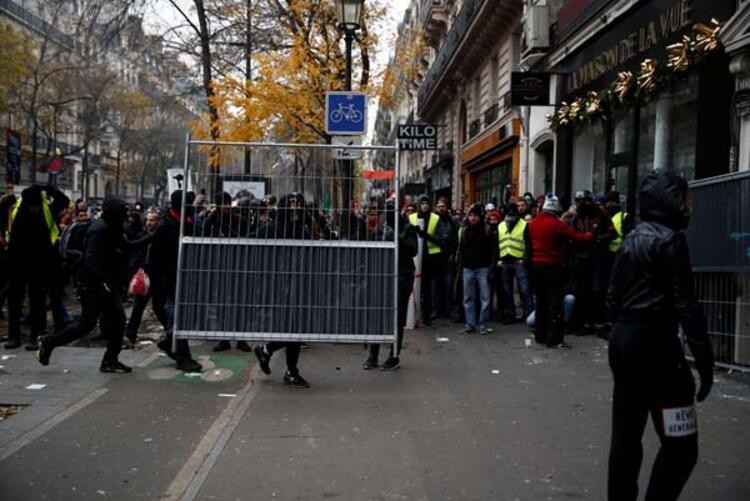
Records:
x=549, y=282
x=182, y=348
x=432, y=270
x=292, y=354
x=651, y=377
x=405, y=284
x=139, y=307
x=23, y=277
x=97, y=305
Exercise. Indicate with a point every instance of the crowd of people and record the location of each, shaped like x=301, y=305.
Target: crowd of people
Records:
x=477, y=266
x=530, y=260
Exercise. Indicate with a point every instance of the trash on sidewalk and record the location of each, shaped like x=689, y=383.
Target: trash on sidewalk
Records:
x=36, y=386
x=227, y=395
x=145, y=343
x=192, y=374
x=442, y=339
x=527, y=342
x=495, y=371
x=66, y=371
x=7, y=357
x=148, y=439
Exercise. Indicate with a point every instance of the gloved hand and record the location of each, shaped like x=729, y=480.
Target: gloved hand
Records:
x=421, y=232
x=707, y=381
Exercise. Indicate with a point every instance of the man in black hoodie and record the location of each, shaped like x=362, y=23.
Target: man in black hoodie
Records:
x=32, y=240
x=289, y=224
x=650, y=295
x=102, y=276
x=164, y=256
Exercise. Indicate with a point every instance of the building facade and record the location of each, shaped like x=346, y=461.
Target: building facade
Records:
x=135, y=61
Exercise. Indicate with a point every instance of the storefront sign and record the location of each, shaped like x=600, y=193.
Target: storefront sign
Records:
x=417, y=137
x=13, y=155
x=644, y=33
x=529, y=89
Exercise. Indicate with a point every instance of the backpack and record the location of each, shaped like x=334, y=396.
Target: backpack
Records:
x=72, y=242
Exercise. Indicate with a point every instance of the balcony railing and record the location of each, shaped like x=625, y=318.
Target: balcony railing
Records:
x=491, y=114
x=425, y=10
x=34, y=22
x=474, y=128
x=455, y=36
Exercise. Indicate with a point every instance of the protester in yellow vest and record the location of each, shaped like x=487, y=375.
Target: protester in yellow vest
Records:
x=514, y=245
x=621, y=220
x=432, y=262
x=32, y=236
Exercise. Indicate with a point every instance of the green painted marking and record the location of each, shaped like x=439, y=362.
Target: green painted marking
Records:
x=216, y=369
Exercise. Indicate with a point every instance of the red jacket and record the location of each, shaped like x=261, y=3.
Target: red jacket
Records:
x=548, y=236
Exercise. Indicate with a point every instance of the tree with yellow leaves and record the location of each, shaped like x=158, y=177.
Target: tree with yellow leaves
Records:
x=16, y=55
x=302, y=59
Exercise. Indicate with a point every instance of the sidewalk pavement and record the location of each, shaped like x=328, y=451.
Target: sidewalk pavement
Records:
x=466, y=417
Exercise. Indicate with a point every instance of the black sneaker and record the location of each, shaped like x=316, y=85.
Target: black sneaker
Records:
x=116, y=367
x=391, y=364
x=44, y=351
x=467, y=330
x=370, y=364
x=166, y=347
x=263, y=359
x=188, y=364
x=295, y=380
x=485, y=330
x=243, y=346
x=223, y=346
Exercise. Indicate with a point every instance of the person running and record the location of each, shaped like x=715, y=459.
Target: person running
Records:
x=651, y=296
x=102, y=276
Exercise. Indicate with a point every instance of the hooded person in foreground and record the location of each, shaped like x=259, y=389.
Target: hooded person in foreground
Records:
x=650, y=296
x=102, y=277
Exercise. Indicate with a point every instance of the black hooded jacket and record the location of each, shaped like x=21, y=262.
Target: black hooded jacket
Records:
x=106, y=252
x=652, y=280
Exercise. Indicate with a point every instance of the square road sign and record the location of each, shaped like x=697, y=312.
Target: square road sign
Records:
x=346, y=113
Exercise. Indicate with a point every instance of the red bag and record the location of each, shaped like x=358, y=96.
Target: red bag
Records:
x=140, y=283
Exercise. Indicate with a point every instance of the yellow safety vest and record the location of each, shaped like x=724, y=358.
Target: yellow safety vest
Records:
x=512, y=243
x=617, y=220
x=431, y=229
x=54, y=231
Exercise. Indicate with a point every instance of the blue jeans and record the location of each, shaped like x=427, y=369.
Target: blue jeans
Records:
x=517, y=270
x=472, y=279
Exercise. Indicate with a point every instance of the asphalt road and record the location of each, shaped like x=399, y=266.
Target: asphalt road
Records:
x=474, y=417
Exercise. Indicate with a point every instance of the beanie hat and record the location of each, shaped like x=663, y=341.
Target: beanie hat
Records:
x=489, y=207
x=551, y=203
x=493, y=213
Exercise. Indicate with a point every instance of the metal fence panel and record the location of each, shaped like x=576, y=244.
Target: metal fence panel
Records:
x=719, y=232
x=290, y=244
x=725, y=298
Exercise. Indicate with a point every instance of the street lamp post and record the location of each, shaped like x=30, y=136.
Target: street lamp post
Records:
x=349, y=17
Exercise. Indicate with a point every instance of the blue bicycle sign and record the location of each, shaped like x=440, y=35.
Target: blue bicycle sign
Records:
x=346, y=113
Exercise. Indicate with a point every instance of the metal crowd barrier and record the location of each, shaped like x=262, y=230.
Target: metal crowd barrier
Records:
x=287, y=242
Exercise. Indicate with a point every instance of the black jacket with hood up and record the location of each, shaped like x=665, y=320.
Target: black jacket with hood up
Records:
x=652, y=280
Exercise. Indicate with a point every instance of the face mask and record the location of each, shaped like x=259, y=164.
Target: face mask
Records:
x=511, y=220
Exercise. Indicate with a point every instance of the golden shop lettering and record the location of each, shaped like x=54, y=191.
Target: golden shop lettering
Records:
x=648, y=35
